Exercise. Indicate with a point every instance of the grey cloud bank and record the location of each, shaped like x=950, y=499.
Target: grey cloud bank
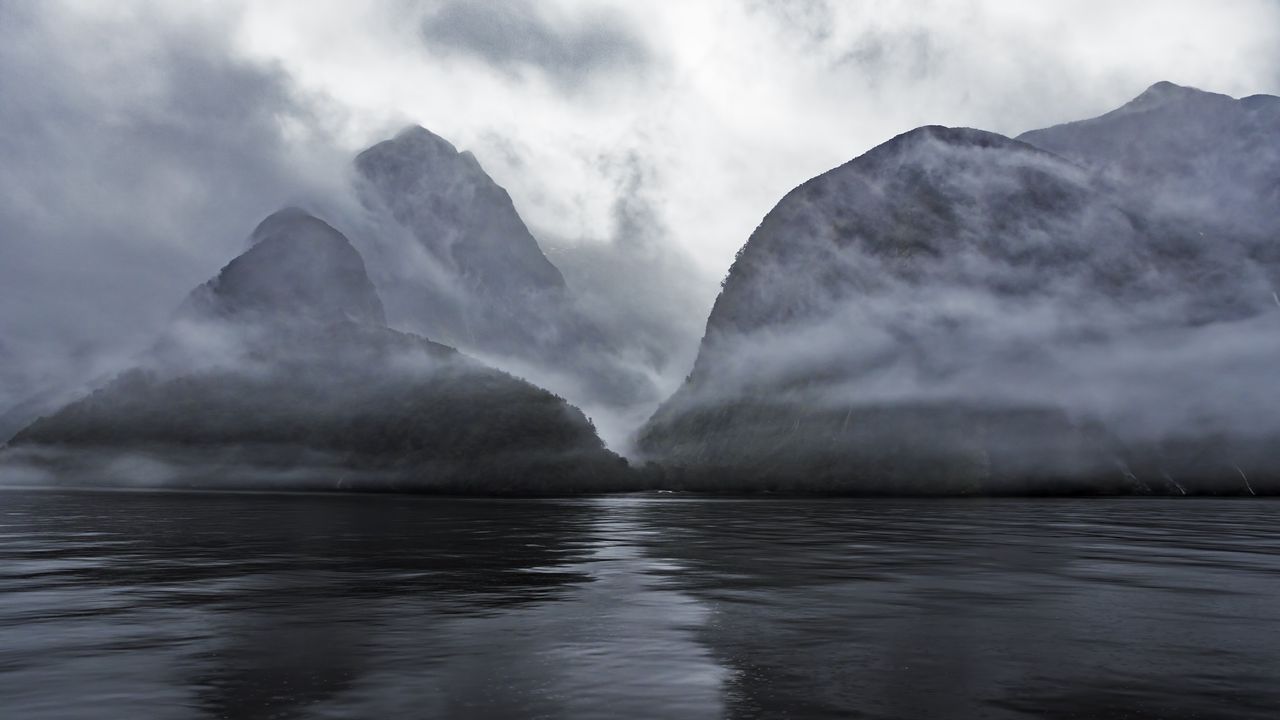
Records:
x=137, y=152
x=571, y=49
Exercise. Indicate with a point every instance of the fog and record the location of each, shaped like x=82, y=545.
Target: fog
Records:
x=142, y=142
x=139, y=150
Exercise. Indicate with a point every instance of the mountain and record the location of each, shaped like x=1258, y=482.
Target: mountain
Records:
x=453, y=260
x=280, y=372
x=485, y=266
x=12, y=381
x=457, y=212
x=1198, y=158
x=959, y=312
x=297, y=265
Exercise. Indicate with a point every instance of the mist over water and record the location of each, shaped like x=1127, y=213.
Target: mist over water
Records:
x=179, y=605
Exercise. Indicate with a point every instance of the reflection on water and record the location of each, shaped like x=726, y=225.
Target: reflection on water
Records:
x=168, y=605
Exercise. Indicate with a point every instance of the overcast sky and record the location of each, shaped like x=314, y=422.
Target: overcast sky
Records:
x=140, y=142
x=731, y=103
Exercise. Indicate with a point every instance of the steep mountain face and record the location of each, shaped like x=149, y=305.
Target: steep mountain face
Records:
x=468, y=271
x=453, y=260
x=959, y=312
x=904, y=212
x=297, y=266
x=457, y=212
x=280, y=371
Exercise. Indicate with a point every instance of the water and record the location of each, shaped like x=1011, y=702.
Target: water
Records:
x=168, y=605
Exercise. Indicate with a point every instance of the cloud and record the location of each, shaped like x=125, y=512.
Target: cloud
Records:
x=810, y=19
x=570, y=49
x=735, y=102
x=138, y=151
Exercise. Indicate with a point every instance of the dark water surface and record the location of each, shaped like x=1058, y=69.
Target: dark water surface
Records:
x=167, y=605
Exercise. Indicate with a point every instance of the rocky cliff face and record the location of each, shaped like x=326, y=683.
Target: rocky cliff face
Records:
x=956, y=311
x=280, y=371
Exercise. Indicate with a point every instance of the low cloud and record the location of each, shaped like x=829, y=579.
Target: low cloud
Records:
x=570, y=49
x=138, y=151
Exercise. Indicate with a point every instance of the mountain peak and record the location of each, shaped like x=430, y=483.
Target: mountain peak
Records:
x=457, y=212
x=927, y=140
x=1165, y=93
x=282, y=222
x=416, y=136
x=298, y=266
x=1165, y=88
x=417, y=159
x=1260, y=102
x=954, y=135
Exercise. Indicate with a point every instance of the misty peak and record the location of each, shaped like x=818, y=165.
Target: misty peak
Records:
x=425, y=146
x=299, y=266
x=419, y=140
x=1166, y=89
x=284, y=222
x=931, y=142
x=962, y=136
x=1166, y=93
x=417, y=162
x=1198, y=159
x=1261, y=102
x=453, y=260
x=484, y=259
